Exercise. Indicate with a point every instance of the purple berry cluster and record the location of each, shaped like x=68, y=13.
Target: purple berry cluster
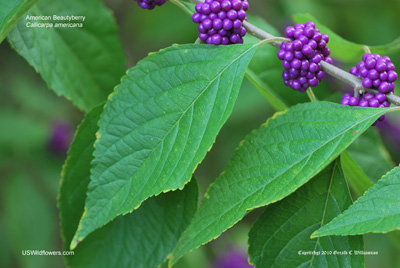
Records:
x=377, y=72
x=302, y=56
x=150, y=4
x=367, y=100
x=221, y=21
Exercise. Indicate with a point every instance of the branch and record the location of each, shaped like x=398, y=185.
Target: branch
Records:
x=334, y=71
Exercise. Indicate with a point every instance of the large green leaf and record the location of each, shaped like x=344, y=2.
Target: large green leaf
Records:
x=272, y=162
x=281, y=235
x=82, y=64
x=377, y=211
x=158, y=125
x=145, y=236
x=343, y=49
x=10, y=12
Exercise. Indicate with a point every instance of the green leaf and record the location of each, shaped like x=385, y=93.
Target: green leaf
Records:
x=272, y=162
x=281, y=235
x=143, y=238
x=389, y=48
x=147, y=235
x=85, y=63
x=343, y=49
x=75, y=175
x=10, y=12
x=369, y=152
x=159, y=124
x=377, y=211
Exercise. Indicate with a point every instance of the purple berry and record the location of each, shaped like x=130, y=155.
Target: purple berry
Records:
x=392, y=76
x=380, y=97
x=373, y=103
x=313, y=67
x=376, y=83
x=367, y=82
x=353, y=101
x=368, y=96
x=354, y=71
x=346, y=96
x=383, y=76
x=370, y=63
x=381, y=66
x=363, y=103
x=384, y=87
x=373, y=74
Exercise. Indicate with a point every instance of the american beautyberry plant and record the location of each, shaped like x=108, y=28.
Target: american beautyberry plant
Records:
x=129, y=194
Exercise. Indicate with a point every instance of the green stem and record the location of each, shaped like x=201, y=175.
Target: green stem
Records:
x=311, y=95
x=182, y=6
x=366, y=49
x=268, y=93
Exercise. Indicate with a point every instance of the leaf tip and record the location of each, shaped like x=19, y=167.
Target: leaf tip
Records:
x=74, y=243
x=315, y=235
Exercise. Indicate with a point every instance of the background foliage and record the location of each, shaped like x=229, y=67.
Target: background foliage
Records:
x=30, y=172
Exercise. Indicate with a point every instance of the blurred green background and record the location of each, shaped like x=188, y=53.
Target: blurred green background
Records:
x=30, y=171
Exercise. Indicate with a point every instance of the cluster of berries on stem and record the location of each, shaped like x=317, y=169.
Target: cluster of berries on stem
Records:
x=221, y=21
x=150, y=4
x=367, y=100
x=302, y=56
x=377, y=72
